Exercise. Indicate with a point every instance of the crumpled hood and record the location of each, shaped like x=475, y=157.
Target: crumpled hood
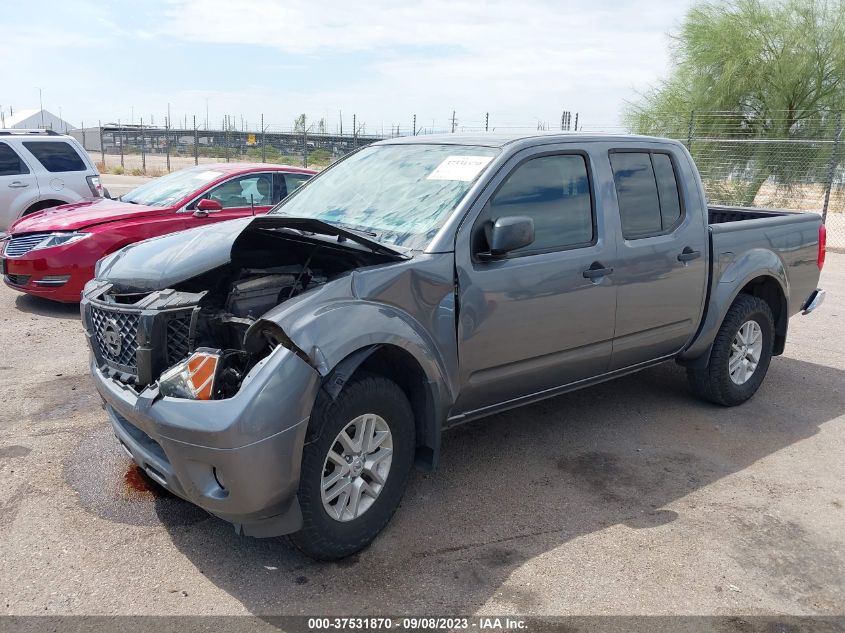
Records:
x=81, y=215
x=164, y=261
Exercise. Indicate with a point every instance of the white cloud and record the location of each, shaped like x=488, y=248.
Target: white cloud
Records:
x=384, y=60
x=528, y=59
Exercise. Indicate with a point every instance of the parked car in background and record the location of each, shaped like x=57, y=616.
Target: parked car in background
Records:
x=52, y=253
x=285, y=372
x=41, y=169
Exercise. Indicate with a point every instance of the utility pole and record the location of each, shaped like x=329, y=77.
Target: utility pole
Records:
x=102, y=145
x=263, y=144
x=576, y=121
x=487, y=122
x=41, y=107
x=120, y=134
x=143, y=149
x=834, y=159
x=167, y=137
x=341, y=122
x=415, y=125
x=453, y=121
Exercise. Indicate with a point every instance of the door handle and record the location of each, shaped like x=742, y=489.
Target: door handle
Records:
x=596, y=270
x=687, y=255
x=17, y=184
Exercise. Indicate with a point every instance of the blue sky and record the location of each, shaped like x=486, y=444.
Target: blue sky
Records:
x=383, y=60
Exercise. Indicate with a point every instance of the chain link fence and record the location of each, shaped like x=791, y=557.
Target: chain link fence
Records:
x=781, y=162
x=141, y=149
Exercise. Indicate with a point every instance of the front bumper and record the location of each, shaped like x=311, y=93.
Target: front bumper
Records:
x=239, y=458
x=48, y=277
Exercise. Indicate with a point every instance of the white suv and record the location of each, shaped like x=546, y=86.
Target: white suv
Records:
x=40, y=169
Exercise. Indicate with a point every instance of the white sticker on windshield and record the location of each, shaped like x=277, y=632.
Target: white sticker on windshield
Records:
x=208, y=175
x=463, y=168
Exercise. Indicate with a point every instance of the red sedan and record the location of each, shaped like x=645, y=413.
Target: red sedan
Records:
x=52, y=253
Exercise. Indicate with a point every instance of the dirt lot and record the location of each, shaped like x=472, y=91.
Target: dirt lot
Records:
x=628, y=498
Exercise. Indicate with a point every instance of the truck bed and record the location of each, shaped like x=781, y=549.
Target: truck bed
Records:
x=722, y=214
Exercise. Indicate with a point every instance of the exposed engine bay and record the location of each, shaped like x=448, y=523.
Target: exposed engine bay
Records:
x=141, y=338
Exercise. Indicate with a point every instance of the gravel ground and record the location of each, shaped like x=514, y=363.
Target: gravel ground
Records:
x=627, y=498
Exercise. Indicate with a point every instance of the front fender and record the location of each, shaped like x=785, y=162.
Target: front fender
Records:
x=335, y=332
x=732, y=276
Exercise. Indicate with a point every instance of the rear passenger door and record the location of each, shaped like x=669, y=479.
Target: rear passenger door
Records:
x=661, y=273
x=533, y=321
x=67, y=171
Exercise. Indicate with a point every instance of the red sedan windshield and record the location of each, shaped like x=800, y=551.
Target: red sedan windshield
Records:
x=170, y=189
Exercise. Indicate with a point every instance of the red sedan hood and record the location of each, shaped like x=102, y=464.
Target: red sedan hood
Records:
x=79, y=215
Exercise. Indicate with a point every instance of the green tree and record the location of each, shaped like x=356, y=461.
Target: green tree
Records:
x=751, y=69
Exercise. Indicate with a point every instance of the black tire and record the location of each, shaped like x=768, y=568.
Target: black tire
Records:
x=714, y=382
x=323, y=537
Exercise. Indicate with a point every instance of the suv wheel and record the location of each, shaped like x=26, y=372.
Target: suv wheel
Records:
x=740, y=355
x=356, y=461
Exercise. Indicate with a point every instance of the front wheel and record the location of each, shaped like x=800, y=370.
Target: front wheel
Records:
x=356, y=461
x=740, y=355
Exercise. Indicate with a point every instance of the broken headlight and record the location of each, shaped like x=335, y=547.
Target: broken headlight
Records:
x=193, y=378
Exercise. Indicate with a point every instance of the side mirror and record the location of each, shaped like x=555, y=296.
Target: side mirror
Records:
x=205, y=206
x=508, y=234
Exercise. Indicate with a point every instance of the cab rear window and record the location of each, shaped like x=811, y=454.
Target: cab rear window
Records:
x=56, y=156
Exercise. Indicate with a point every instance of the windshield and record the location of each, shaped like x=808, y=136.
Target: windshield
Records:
x=170, y=189
x=399, y=194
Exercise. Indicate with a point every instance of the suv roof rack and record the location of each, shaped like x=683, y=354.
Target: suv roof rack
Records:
x=13, y=131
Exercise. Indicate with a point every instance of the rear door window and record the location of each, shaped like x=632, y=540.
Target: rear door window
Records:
x=10, y=163
x=667, y=188
x=647, y=192
x=295, y=181
x=56, y=156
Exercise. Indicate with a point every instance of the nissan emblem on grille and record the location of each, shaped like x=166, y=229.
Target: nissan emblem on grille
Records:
x=112, y=338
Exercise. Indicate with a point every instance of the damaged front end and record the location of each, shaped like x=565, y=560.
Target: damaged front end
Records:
x=199, y=337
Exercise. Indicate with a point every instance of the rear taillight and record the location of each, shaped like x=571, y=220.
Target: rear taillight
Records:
x=96, y=186
x=822, y=246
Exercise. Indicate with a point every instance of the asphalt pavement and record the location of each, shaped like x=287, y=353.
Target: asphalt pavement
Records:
x=631, y=497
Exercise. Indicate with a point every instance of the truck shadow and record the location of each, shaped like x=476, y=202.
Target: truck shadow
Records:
x=520, y=484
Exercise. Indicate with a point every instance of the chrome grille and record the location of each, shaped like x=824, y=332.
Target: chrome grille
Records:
x=178, y=337
x=21, y=245
x=117, y=336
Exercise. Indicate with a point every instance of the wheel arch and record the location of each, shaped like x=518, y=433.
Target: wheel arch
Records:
x=759, y=272
x=400, y=366
x=40, y=205
x=770, y=290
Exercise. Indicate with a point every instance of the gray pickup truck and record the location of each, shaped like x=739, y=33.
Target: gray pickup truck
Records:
x=286, y=372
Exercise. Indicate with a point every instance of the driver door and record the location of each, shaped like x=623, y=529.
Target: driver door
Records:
x=538, y=318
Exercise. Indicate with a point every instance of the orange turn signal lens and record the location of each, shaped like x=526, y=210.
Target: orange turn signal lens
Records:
x=192, y=378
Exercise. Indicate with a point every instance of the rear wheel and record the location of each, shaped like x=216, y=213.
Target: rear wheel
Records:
x=740, y=355
x=355, y=464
